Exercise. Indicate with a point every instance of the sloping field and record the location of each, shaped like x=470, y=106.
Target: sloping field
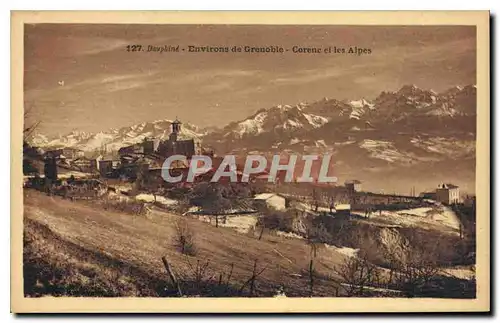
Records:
x=439, y=218
x=77, y=248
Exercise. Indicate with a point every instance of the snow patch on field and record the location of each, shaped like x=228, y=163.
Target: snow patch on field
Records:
x=242, y=224
x=75, y=174
x=289, y=235
x=349, y=252
x=376, y=289
x=160, y=199
x=118, y=197
x=460, y=272
x=67, y=175
x=122, y=188
x=421, y=217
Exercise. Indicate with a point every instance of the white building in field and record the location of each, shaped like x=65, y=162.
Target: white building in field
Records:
x=272, y=200
x=448, y=194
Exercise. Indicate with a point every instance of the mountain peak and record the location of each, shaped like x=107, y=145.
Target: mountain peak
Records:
x=408, y=89
x=361, y=104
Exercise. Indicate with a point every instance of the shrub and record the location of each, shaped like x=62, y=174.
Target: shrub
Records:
x=184, y=238
x=357, y=274
x=415, y=276
x=125, y=206
x=277, y=220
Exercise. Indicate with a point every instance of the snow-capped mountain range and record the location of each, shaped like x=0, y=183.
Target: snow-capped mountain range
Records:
x=325, y=125
x=412, y=127
x=329, y=121
x=278, y=119
x=409, y=129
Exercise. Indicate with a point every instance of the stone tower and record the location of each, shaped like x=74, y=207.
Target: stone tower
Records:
x=176, y=129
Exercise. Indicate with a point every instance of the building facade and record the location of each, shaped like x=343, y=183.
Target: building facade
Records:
x=448, y=194
x=105, y=167
x=353, y=185
x=174, y=146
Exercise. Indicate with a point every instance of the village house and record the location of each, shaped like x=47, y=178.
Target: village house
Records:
x=53, y=153
x=96, y=160
x=105, y=167
x=66, y=153
x=353, y=185
x=131, y=149
x=271, y=200
x=50, y=168
x=448, y=194
x=83, y=163
x=72, y=153
x=150, y=145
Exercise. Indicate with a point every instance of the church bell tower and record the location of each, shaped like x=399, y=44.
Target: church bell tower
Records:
x=176, y=129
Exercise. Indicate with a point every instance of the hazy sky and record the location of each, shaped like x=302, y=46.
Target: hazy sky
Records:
x=105, y=86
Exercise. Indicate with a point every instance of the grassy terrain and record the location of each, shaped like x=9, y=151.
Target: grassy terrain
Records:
x=80, y=249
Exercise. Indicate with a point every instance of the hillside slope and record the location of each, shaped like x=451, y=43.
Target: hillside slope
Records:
x=78, y=249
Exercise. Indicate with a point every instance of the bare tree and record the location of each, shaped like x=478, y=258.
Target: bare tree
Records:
x=317, y=235
x=357, y=274
x=28, y=130
x=251, y=281
x=311, y=278
x=214, y=198
x=315, y=199
x=201, y=275
x=416, y=274
x=184, y=238
x=183, y=206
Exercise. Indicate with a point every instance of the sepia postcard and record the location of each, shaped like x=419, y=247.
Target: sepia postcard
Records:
x=194, y=162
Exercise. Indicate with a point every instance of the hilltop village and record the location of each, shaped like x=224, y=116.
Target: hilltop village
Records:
x=145, y=160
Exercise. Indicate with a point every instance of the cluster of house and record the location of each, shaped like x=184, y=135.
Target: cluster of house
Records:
x=150, y=153
x=72, y=157
x=445, y=193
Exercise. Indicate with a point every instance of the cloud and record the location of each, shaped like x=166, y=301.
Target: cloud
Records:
x=308, y=76
x=124, y=86
x=100, y=84
x=218, y=86
x=93, y=46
